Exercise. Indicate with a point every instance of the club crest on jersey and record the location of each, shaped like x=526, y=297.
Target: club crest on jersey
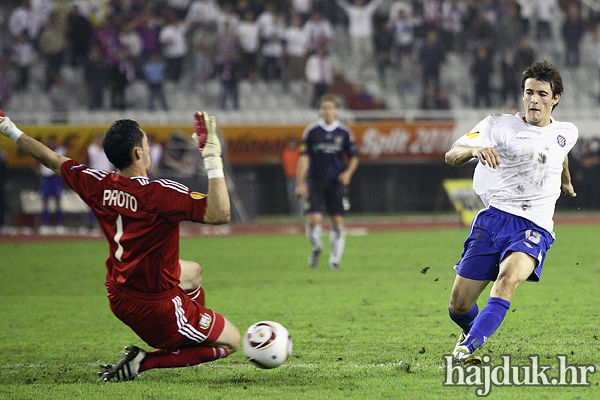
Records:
x=561, y=140
x=205, y=321
x=473, y=134
x=196, y=195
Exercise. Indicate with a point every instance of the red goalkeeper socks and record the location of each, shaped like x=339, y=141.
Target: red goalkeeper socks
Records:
x=182, y=358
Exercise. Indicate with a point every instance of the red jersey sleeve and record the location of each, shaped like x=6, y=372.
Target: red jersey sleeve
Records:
x=83, y=180
x=176, y=202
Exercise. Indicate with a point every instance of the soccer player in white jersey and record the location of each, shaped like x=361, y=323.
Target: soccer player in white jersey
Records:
x=523, y=170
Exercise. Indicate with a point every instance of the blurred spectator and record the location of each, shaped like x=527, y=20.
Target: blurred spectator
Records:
x=527, y=14
x=107, y=38
x=572, y=33
x=241, y=6
x=525, y=55
x=59, y=95
x=272, y=35
x=180, y=7
x=481, y=72
x=6, y=85
x=154, y=71
x=289, y=162
x=180, y=157
x=431, y=58
x=28, y=19
x=23, y=56
x=481, y=33
x=174, y=45
x=452, y=16
x=228, y=17
x=433, y=100
x=360, y=29
x=546, y=11
x=383, y=48
x=204, y=40
x=95, y=73
x=432, y=14
x=588, y=175
x=229, y=80
x=156, y=155
x=303, y=8
x=203, y=11
x=319, y=30
x=53, y=46
x=131, y=49
x=296, y=43
x=148, y=26
x=510, y=29
x=249, y=42
x=319, y=73
x=51, y=187
x=96, y=158
x=511, y=77
x=79, y=34
x=403, y=27
x=227, y=42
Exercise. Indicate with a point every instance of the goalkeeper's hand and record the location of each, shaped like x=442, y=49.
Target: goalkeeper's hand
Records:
x=8, y=128
x=205, y=133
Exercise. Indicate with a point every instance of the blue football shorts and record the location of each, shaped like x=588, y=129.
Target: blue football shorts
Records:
x=495, y=233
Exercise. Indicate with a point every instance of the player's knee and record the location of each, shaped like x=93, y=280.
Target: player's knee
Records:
x=234, y=341
x=195, y=274
x=459, y=306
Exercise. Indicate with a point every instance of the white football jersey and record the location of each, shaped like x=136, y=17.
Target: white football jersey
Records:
x=527, y=182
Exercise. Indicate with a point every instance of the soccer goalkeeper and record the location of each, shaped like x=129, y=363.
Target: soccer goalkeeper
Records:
x=159, y=296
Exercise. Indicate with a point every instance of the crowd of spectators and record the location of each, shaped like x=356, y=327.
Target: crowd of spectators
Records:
x=117, y=42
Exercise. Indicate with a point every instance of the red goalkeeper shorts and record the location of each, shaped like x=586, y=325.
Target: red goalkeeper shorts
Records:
x=169, y=320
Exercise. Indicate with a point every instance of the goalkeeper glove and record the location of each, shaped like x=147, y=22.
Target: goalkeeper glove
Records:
x=205, y=133
x=9, y=129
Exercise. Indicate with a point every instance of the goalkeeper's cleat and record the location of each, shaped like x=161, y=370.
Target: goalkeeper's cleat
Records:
x=313, y=259
x=126, y=369
x=462, y=355
x=334, y=266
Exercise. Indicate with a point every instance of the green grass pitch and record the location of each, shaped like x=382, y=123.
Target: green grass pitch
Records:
x=376, y=329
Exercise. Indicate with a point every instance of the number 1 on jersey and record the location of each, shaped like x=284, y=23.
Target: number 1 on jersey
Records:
x=118, y=235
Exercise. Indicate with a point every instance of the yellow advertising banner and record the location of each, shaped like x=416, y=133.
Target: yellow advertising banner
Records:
x=464, y=199
x=258, y=144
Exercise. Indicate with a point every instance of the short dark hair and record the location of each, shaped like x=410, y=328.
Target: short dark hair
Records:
x=546, y=72
x=329, y=97
x=120, y=140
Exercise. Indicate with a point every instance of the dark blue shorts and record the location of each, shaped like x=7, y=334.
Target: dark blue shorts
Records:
x=51, y=186
x=495, y=233
x=327, y=195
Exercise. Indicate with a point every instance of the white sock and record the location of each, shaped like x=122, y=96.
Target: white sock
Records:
x=337, y=238
x=313, y=233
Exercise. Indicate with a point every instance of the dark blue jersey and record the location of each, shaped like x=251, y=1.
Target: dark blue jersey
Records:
x=329, y=147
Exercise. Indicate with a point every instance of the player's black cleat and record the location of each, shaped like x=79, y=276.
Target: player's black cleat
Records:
x=126, y=369
x=313, y=259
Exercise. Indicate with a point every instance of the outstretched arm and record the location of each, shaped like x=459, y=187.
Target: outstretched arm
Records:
x=301, y=173
x=566, y=187
x=217, y=202
x=31, y=146
x=460, y=155
x=346, y=176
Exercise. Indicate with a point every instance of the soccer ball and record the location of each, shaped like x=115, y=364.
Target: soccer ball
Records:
x=267, y=344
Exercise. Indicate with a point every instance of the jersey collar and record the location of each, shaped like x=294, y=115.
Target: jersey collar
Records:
x=331, y=127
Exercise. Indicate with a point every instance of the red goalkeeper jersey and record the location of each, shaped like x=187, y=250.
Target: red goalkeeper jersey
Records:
x=140, y=219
